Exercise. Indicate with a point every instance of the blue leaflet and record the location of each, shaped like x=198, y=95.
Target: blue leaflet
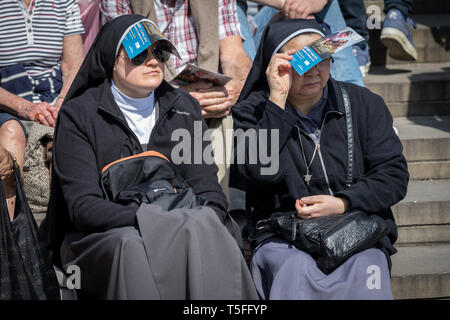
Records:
x=304, y=59
x=136, y=41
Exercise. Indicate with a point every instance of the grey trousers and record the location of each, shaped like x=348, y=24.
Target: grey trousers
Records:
x=177, y=254
x=281, y=271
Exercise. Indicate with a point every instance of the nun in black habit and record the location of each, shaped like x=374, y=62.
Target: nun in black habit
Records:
x=119, y=107
x=307, y=112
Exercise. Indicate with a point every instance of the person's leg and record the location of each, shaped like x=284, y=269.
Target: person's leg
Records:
x=262, y=18
x=248, y=44
x=396, y=34
x=345, y=67
x=281, y=271
x=404, y=6
x=354, y=13
x=12, y=138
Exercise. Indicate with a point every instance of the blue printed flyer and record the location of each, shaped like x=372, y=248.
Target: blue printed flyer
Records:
x=306, y=58
x=136, y=41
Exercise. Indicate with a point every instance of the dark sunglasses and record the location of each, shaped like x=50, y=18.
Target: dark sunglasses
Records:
x=161, y=53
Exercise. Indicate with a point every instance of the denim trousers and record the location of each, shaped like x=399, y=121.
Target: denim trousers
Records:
x=354, y=12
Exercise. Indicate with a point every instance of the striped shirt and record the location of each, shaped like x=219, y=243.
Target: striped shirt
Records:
x=33, y=36
x=177, y=25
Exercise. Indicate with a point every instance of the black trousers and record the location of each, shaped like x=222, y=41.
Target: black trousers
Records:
x=354, y=12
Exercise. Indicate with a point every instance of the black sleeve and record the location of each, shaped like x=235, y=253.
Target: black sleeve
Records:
x=261, y=127
x=201, y=175
x=76, y=169
x=386, y=174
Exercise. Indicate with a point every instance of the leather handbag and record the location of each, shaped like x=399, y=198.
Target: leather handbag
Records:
x=331, y=240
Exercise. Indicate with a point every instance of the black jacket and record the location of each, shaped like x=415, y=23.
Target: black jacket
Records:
x=92, y=132
x=380, y=174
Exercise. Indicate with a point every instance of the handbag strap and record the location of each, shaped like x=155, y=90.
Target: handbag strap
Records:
x=349, y=122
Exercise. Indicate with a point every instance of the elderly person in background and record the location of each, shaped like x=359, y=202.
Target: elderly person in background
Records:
x=39, y=56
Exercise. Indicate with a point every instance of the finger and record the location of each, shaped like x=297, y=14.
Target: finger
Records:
x=285, y=55
x=197, y=85
x=283, y=67
x=217, y=108
x=303, y=215
x=208, y=115
x=55, y=112
x=312, y=199
x=298, y=206
x=43, y=120
x=286, y=7
x=213, y=89
x=207, y=95
x=48, y=116
x=290, y=52
x=313, y=209
x=294, y=13
x=213, y=101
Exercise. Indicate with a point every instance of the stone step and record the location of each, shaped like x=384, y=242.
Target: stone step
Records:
x=411, y=82
x=426, y=203
x=419, y=235
x=424, y=138
x=424, y=215
x=420, y=272
x=419, y=108
x=424, y=170
x=419, y=6
x=430, y=38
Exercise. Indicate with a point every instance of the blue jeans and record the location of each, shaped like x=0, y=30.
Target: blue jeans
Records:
x=248, y=44
x=345, y=67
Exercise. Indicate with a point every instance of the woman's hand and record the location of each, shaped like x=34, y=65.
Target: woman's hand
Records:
x=279, y=77
x=320, y=206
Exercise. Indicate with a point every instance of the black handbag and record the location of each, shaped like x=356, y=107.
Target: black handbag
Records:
x=149, y=177
x=331, y=240
x=26, y=270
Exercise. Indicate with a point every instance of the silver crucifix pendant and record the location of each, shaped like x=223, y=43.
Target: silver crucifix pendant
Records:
x=307, y=178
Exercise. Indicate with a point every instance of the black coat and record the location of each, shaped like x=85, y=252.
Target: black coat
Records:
x=380, y=174
x=92, y=132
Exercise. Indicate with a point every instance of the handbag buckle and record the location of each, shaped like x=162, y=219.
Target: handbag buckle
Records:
x=261, y=224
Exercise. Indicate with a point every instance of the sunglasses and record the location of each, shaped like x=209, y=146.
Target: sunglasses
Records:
x=161, y=53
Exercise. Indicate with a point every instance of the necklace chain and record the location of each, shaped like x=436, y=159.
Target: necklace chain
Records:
x=307, y=177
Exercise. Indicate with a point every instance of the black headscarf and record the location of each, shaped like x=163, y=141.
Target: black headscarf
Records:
x=99, y=61
x=274, y=37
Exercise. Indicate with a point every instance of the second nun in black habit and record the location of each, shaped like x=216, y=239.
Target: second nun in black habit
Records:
x=308, y=114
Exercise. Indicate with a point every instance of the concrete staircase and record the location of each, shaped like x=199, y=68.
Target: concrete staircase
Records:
x=418, y=95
